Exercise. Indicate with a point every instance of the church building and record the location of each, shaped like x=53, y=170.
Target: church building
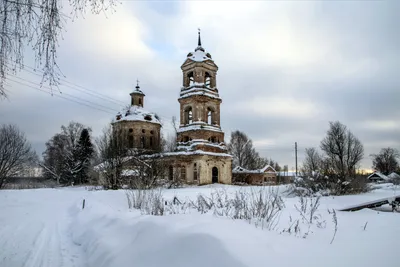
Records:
x=201, y=155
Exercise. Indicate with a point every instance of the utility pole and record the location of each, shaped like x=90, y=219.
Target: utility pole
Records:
x=295, y=149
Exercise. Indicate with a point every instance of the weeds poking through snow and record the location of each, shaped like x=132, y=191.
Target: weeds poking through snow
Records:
x=334, y=219
x=308, y=207
x=261, y=207
x=365, y=226
x=147, y=201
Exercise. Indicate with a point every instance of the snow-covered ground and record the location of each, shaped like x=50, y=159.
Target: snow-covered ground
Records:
x=47, y=227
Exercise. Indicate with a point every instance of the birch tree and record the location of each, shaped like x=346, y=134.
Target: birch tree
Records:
x=38, y=26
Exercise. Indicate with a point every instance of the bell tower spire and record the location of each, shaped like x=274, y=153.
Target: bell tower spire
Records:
x=199, y=41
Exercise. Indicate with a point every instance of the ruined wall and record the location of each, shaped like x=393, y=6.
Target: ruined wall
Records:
x=224, y=165
x=134, y=131
x=254, y=178
x=204, y=165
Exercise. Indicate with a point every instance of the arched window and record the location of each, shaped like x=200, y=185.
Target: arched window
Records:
x=183, y=173
x=140, y=101
x=195, y=172
x=130, y=141
x=214, y=175
x=142, y=141
x=171, y=173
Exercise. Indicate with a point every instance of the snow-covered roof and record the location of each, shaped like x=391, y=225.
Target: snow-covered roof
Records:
x=394, y=175
x=200, y=126
x=199, y=55
x=239, y=169
x=137, y=91
x=268, y=167
x=378, y=175
x=136, y=113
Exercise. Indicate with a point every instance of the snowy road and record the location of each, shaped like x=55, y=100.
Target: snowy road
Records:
x=36, y=231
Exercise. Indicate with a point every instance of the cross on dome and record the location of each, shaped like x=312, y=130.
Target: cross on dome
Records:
x=137, y=85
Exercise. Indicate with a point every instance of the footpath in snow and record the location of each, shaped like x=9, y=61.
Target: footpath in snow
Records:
x=47, y=227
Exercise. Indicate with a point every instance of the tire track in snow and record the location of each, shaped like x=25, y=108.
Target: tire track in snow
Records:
x=35, y=257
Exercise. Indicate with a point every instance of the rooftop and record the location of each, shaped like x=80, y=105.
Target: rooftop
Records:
x=136, y=113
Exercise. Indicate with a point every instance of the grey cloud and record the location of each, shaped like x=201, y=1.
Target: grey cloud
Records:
x=359, y=30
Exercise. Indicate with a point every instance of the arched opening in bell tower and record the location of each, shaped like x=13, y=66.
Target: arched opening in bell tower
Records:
x=190, y=79
x=210, y=116
x=207, y=80
x=188, y=115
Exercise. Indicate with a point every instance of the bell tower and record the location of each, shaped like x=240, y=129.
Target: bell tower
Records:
x=200, y=125
x=137, y=96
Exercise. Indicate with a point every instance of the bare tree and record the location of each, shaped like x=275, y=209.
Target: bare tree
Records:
x=39, y=25
x=113, y=150
x=386, y=161
x=170, y=142
x=312, y=161
x=149, y=171
x=16, y=153
x=343, y=149
x=243, y=152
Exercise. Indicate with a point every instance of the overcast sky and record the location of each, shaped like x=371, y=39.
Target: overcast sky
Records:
x=285, y=70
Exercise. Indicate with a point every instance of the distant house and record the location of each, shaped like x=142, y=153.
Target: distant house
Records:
x=378, y=177
x=266, y=175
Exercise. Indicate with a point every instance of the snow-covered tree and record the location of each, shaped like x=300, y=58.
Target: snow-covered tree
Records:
x=64, y=157
x=83, y=154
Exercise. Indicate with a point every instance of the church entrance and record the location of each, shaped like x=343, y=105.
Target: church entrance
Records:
x=214, y=175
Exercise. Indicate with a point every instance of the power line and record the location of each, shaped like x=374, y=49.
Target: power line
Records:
x=72, y=96
x=68, y=99
x=94, y=93
x=80, y=88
